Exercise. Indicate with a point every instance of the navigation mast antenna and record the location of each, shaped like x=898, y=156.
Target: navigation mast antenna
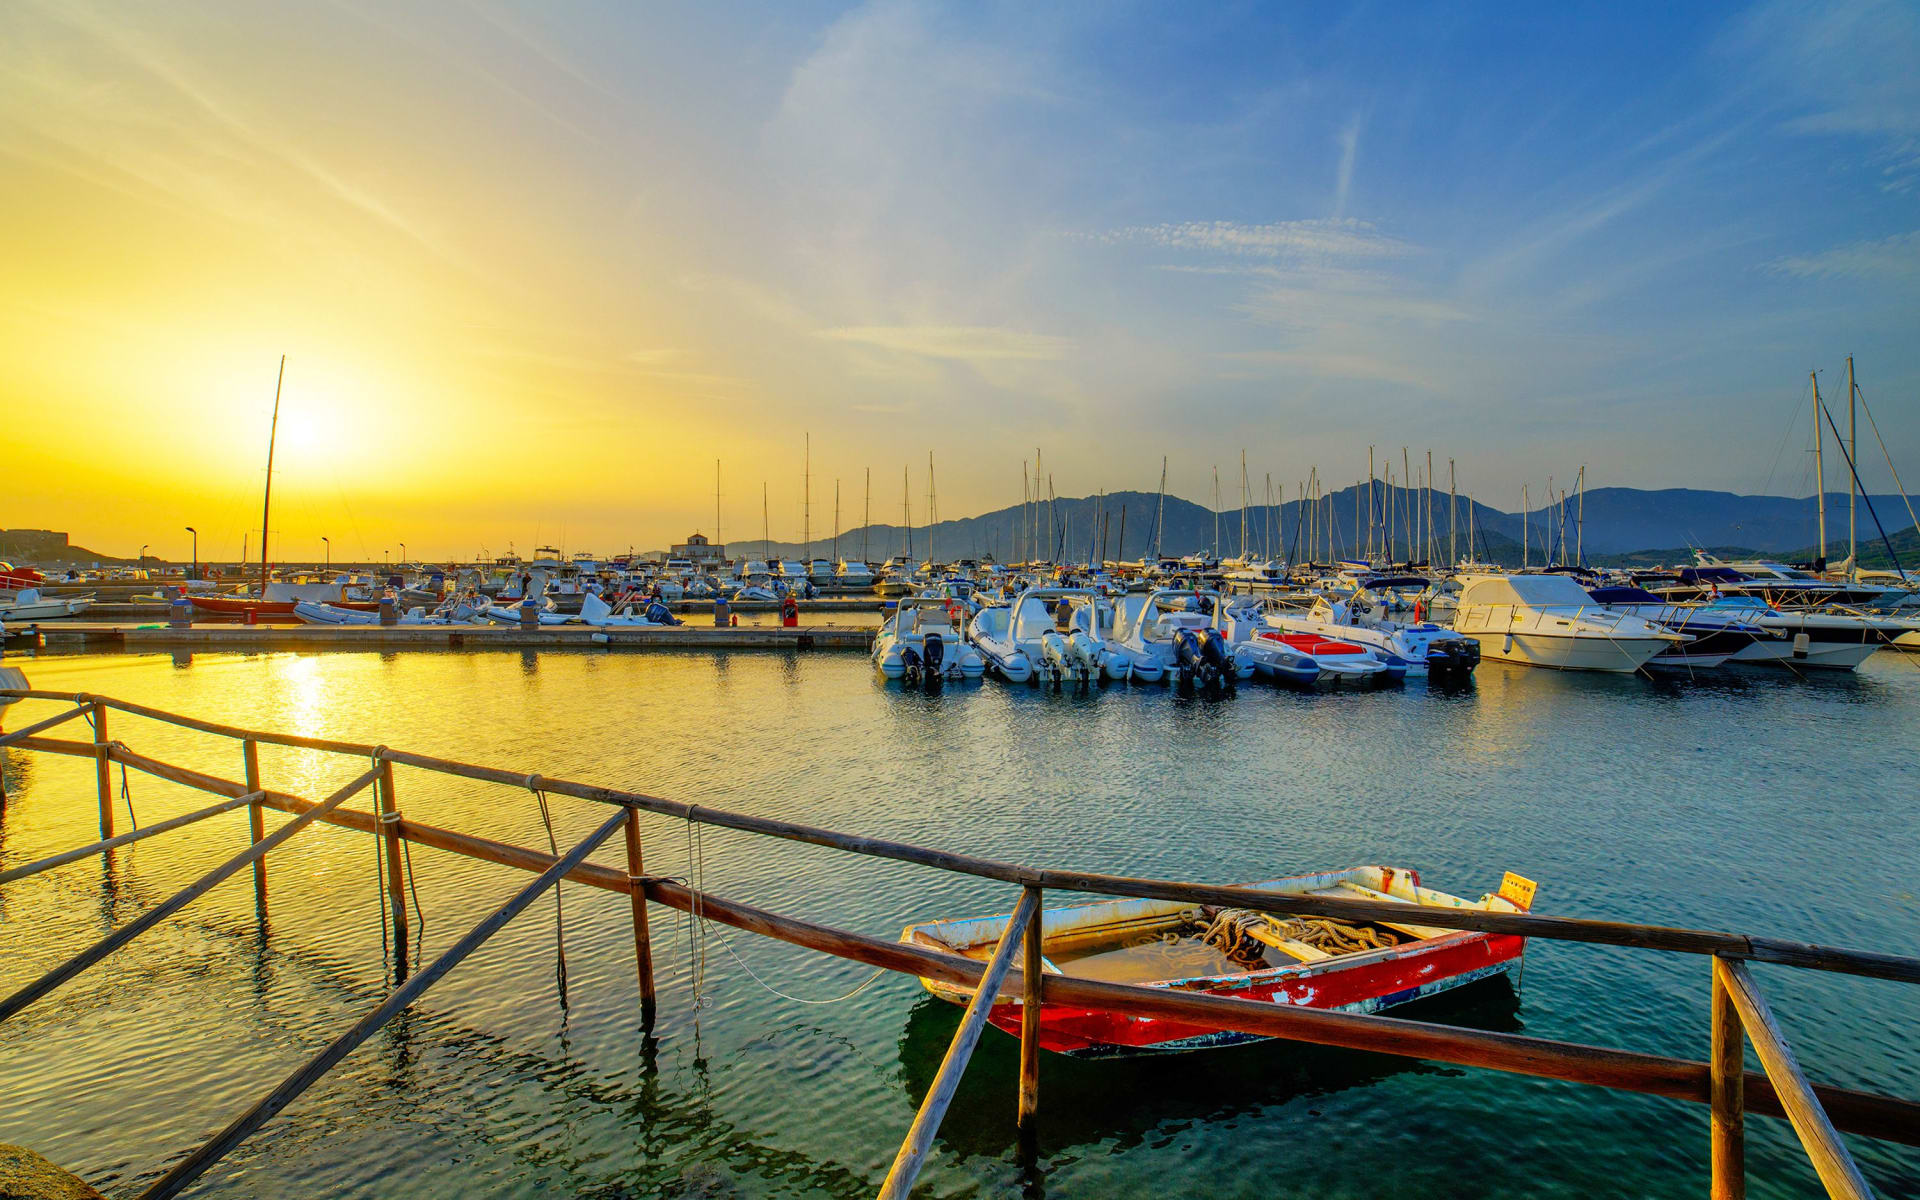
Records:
x=266, y=504
x=1819, y=476
x=1853, y=484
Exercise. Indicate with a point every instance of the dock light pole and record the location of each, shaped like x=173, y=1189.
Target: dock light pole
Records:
x=329, y=544
x=195, y=573
x=403, y=554
x=143, y=556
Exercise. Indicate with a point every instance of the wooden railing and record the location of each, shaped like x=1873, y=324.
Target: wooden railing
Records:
x=1781, y=1089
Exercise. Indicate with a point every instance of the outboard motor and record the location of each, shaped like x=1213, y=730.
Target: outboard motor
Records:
x=910, y=666
x=933, y=654
x=1219, y=660
x=660, y=614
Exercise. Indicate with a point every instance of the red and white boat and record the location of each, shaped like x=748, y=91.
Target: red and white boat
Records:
x=1315, y=962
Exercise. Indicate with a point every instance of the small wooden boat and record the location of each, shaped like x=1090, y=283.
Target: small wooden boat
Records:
x=269, y=610
x=1316, y=962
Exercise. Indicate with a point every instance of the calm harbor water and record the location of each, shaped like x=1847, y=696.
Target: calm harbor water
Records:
x=1754, y=801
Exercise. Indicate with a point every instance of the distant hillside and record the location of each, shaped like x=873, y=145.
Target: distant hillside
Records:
x=1618, y=522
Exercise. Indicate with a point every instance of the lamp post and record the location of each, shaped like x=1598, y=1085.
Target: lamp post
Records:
x=195, y=573
x=143, y=556
x=403, y=554
x=329, y=542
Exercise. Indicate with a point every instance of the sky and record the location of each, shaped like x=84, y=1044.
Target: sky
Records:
x=536, y=268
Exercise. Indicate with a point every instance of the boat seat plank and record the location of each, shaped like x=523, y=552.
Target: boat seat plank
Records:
x=1349, y=888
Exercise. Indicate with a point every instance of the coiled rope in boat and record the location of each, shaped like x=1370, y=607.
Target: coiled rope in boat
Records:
x=1243, y=935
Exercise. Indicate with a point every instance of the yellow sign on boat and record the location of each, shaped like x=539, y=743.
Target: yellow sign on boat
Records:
x=1519, y=889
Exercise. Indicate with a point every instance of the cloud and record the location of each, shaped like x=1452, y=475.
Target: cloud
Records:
x=1842, y=68
x=1337, y=365
x=1896, y=257
x=1349, y=151
x=964, y=343
x=1338, y=237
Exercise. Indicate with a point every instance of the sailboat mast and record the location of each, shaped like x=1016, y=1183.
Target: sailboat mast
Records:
x=717, y=539
x=1819, y=475
x=766, y=534
x=1244, y=500
x=1371, y=560
x=866, y=519
x=933, y=506
x=1853, y=483
x=1453, y=516
x=836, y=522
x=266, y=504
x=1580, y=526
x=1526, y=536
x=1216, y=511
x=1427, y=496
x=1160, y=517
x=906, y=505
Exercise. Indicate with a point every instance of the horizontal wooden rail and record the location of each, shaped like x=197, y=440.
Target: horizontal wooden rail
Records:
x=946, y=1081
x=1822, y=1143
x=20, y=735
x=179, y=900
x=189, y=1169
x=125, y=839
x=1871, y=964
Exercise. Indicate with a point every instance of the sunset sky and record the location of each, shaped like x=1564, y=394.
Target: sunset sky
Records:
x=535, y=267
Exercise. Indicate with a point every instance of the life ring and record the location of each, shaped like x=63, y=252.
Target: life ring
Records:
x=954, y=610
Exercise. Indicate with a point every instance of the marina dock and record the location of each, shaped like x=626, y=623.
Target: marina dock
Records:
x=106, y=635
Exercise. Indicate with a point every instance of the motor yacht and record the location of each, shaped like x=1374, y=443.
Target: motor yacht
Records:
x=1551, y=621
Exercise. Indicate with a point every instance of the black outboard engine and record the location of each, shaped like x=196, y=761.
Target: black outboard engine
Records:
x=910, y=666
x=1213, y=650
x=1190, y=659
x=933, y=653
x=660, y=614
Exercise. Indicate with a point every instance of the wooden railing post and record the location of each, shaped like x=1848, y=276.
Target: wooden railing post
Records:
x=642, y=946
x=1727, y=1062
x=102, y=776
x=1030, y=969
x=256, y=824
x=389, y=816
x=1818, y=1138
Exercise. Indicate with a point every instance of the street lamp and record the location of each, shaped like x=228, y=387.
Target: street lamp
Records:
x=143, y=556
x=195, y=573
x=329, y=542
x=403, y=554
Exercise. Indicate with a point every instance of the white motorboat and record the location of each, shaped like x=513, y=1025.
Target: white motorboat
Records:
x=1551, y=621
x=925, y=639
x=1386, y=614
x=1033, y=637
x=853, y=573
x=1823, y=638
x=1178, y=635
x=596, y=612
x=27, y=604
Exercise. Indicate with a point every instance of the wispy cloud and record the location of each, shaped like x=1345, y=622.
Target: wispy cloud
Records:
x=1896, y=257
x=1339, y=237
x=964, y=343
x=1336, y=365
x=1343, y=180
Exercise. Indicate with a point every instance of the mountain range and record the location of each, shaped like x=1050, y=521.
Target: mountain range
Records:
x=1608, y=523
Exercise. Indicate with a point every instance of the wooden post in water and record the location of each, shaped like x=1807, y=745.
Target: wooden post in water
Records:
x=1030, y=969
x=1727, y=1062
x=642, y=946
x=396, y=883
x=256, y=824
x=102, y=776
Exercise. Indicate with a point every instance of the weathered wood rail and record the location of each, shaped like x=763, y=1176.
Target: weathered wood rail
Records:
x=1816, y=1112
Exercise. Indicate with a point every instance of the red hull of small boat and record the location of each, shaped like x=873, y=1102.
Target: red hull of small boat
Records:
x=1418, y=970
x=266, y=610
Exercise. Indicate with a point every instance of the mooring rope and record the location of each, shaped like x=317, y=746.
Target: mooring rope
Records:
x=126, y=797
x=696, y=918
x=869, y=982
x=559, y=912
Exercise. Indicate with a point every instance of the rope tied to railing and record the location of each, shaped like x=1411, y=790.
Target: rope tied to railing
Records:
x=533, y=784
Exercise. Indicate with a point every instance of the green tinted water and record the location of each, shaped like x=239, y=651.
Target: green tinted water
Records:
x=1757, y=802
